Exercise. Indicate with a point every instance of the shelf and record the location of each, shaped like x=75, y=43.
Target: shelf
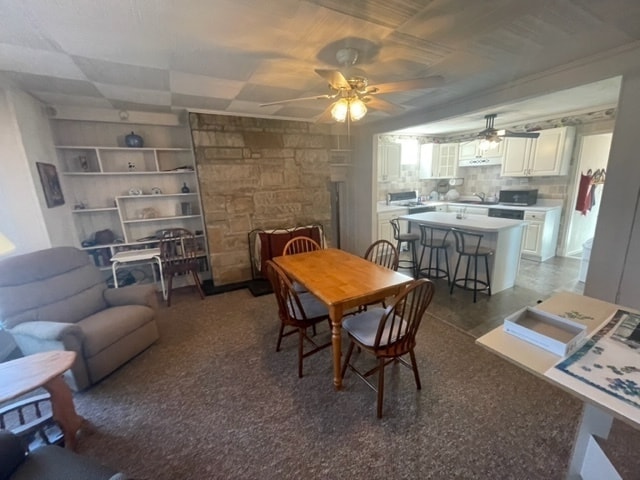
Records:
x=160, y=219
x=142, y=149
x=164, y=172
x=160, y=195
x=94, y=210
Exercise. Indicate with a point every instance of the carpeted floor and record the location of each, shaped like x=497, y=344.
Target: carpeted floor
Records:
x=213, y=400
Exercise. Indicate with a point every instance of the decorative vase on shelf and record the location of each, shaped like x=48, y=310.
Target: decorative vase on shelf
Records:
x=185, y=189
x=134, y=141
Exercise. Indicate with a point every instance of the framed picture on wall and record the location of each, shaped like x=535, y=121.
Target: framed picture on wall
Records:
x=50, y=184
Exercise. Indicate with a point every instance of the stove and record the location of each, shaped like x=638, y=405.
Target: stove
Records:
x=418, y=208
x=409, y=200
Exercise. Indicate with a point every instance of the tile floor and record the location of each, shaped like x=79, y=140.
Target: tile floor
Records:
x=536, y=281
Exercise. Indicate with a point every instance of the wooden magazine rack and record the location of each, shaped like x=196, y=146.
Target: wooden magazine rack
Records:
x=266, y=244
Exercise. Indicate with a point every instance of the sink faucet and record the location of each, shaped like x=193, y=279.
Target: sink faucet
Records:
x=480, y=195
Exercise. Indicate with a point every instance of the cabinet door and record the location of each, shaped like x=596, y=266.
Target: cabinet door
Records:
x=385, y=231
x=447, y=163
x=477, y=211
x=468, y=150
x=426, y=163
x=533, y=238
x=516, y=157
x=548, y=156
x=496, y=152
x=389, y=155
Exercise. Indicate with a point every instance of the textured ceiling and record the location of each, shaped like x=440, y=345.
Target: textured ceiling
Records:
x=231, y=56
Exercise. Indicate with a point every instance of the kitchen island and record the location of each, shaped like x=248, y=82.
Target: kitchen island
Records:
x=503, y=236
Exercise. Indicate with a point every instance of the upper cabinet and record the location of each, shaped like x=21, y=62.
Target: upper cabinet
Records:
x=438, y=160
x=389, y=158
x=471, y=150
x=548, y=155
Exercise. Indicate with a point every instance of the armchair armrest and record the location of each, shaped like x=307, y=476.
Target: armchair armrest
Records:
x=132, y=295
x=48, y=330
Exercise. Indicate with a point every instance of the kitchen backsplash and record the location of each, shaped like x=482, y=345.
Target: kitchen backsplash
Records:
x=476, y=179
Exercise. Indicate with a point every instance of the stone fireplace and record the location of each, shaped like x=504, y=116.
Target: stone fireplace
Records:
x=258, y=173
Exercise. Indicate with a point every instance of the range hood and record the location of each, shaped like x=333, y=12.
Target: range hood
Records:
x=480, y=161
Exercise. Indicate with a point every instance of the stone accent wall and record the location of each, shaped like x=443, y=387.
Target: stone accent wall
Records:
x=258, y=173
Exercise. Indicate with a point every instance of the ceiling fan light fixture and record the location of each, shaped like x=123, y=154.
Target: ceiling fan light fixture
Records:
x=489, y=143
x=357, y=109
x=339, y=110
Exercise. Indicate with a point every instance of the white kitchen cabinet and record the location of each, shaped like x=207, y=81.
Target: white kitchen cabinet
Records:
x=540, y=234
x=385, y=230
x=389, y=161
x=468, y=209
x=547, y=155
x=470, y=150
x=438, y=160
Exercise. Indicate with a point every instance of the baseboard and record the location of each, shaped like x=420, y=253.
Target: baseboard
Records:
x=259, y=287
x=210, y=289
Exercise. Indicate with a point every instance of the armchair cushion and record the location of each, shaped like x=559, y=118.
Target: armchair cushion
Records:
x=48, y=461
x=48, y=330
x=132, y=295
x=107, y=327
x=12, y=454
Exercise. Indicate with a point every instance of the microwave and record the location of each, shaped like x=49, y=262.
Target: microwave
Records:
x=527, y=196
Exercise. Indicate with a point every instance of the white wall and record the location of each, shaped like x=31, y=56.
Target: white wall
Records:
x=21, y=217
x=614, y=267
x=38, y=145
x=594, y=155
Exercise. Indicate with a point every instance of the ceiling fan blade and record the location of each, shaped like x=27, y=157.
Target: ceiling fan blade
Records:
x=508, y=134
x=382, y=105
x=325, y=116
x=315, y=97
x=404, y=85
x=335, y=78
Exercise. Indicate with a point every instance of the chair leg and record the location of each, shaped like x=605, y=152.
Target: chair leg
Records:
x=486, y=263
x=196, y=280
x=446, y=260
x=300, y=346
x=466, y=274
x=475, y=278
x=412, y=246
x=380, y=385
x=419, y=267
x=280, y=335
x=347, y=359
x=455, y=275
x=414, y=366
x=169, y=289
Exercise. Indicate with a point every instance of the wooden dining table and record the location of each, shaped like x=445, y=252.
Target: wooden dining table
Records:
x=341, y=281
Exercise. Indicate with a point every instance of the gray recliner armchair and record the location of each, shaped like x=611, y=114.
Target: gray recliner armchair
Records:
x=57, y=299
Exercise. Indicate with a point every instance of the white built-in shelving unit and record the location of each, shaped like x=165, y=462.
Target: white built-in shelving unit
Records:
x=133, y=192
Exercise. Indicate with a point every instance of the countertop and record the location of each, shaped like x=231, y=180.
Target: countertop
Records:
x=541, y=206
x=471, y=222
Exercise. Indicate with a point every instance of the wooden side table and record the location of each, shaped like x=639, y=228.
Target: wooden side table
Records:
x=45, y=370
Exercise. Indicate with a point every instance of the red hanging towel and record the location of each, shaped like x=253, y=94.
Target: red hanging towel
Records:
x=583, y=203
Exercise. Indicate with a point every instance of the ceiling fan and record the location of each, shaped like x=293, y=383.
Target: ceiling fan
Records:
x=490, y=137
x=353, y=95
